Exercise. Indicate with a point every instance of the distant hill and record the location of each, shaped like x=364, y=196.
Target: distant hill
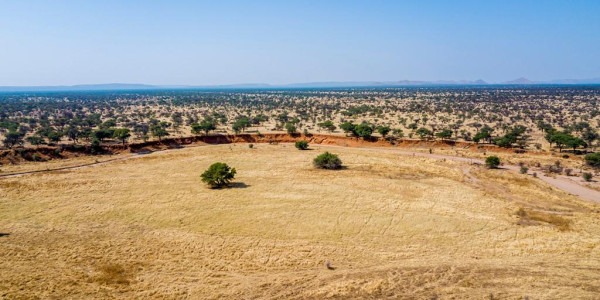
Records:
x=324, y=84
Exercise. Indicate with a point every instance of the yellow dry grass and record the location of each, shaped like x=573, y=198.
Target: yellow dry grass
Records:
x=392, y=226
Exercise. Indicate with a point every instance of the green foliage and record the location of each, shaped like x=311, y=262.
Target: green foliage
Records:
x=158, y=131
x=13, y=138
x=444, y=134
x=424, y=133
x=492, y=162
x=218, y=175
x=35, y=140
x=121, y=134
x=207, y=125
x=587, y=176
x=327, y=161
x=363, y=130
x=383, y=130
x=593, y=159
x=290, y=128
x=347, y=127
x=301, y=145
x=327, y=125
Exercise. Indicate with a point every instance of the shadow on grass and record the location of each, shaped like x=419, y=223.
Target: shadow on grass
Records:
x=238, y=185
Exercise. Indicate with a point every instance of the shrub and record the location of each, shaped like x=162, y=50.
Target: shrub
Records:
x=301, y=145
x=250, y=146
x=593, y=159
x=492, y=162
x=218, y=175
x=524, y=169
x=327, y=161
x=587, y=176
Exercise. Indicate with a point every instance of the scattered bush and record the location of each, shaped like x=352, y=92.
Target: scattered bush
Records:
x=524, y=169
x=301, y=145
x=327, y=161
x=218, y=175
x=250, y=146
x=587, y=176
x=492, y=162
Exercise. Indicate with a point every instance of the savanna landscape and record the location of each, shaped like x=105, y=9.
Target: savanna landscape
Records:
x=98, y=212
x=233, y=149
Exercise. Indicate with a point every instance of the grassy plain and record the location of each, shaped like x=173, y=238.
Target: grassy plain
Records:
x=392, y=226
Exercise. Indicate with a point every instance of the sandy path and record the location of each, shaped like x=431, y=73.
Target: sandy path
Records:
x=560, y=181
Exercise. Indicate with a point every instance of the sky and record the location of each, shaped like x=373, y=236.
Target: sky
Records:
x=56, y=42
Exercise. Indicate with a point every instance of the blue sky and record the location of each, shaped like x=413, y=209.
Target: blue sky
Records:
x=58, y=42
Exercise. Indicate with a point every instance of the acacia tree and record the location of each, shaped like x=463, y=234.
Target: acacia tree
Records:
x=121, y=134
x=218, y=175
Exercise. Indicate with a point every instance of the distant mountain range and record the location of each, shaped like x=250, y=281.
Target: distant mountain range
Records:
x=331, y=84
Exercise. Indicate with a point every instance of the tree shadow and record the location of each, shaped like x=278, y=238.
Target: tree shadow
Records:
x=4, y=234
x=238, y=185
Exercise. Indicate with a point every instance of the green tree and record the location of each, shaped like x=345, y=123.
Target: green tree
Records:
x=383, y=130
x=424, y=133
x=363, y=130
x=328, y=125
x=35, y=140
x=218, y=175
x=347, y=127
x=121, y=134
x=158, y=131
x=444, y=134
x=290, y=128
x=301, y=145
x=492, y=162
x=327, y=161
x=13, y=138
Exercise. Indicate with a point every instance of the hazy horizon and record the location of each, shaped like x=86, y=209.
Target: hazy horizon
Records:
x=235, y=42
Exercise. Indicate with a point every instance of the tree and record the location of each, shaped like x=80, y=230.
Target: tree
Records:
x=327, y=125
x=587, y=176
x=35, y=140
x=207, y=125
x=383, y=130
x=363, y=130
x=158, y=131
x=218, y=175
x=424, y=133
x=73, y=134
x=327, y=161
x=301, y=145
x=196, y=129
x=444, y=134
x=121, y=134
x=347, y=127
x=55, y=136
x=492, y=162
x=290, y=128
x=13, y=138
x=593, y=159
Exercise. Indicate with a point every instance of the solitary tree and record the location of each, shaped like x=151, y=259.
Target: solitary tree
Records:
x=327, y=161
x=492, y=162
x=301, y=145
x=158, y=131
x=218, y=175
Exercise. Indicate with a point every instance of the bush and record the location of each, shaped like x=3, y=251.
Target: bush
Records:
x=492, y=162
x=218, y=175
x=250, y=146
x=327, y=161
x=587, y=176
x=593, y=159
x=524, y=169
x=301, y=145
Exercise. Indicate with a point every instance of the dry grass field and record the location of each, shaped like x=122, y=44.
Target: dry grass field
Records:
x=392, y=226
